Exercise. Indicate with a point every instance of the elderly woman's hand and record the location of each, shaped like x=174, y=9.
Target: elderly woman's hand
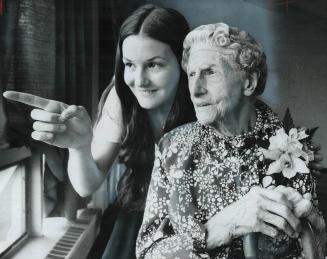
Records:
x=260, y=210
x=313, y=234
x=302, y=205
x=57, y=123
x=316, y=166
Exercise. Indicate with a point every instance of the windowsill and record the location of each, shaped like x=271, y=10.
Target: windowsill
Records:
x=14, y=155
x=39, y=247
x=54, y=229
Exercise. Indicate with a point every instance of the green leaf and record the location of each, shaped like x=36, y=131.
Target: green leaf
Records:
x=288, y=121
x=311, y=132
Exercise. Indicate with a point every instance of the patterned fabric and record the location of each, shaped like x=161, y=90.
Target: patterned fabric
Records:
x=197, y=173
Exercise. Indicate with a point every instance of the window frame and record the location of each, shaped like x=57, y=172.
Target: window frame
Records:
x=33, y=165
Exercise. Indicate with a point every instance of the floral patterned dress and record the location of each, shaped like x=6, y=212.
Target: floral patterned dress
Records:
x=197, y=173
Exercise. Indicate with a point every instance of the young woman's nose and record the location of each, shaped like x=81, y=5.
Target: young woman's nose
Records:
x=140, y=78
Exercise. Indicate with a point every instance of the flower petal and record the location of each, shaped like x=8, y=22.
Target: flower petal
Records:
x=275, y=167
x=293, y=146
x=300, y=166
x=279, y=141
x=302, y=134
x=289, y=172
x=293, y=134
x=270, y=154
x=267, y=181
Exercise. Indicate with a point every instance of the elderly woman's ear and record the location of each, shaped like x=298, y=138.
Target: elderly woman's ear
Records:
x=250, y=84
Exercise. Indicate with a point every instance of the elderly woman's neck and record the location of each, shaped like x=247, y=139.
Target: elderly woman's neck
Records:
x=238, y=121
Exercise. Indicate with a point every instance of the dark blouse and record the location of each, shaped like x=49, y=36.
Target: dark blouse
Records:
x=197, y=173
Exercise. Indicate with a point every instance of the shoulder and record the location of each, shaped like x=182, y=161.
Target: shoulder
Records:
x=112, y=107
x=269, y=119
x=176, y=146
x=112, y=99
x=182, y=136
x=109, y=126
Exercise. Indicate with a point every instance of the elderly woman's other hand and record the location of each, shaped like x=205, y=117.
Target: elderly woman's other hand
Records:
x=260, y=210
x=313, y=233
x=302, y=205
x=316, y=166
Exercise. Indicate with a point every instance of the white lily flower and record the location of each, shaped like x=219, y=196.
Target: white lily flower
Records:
x=287, y=153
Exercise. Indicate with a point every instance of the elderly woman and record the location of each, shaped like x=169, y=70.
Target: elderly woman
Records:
x=206, y=191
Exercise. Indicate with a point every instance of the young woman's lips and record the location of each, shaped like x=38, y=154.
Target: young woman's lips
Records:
x=147, y=91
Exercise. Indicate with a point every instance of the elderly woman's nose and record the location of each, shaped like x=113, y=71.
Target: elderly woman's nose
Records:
x=198, y=87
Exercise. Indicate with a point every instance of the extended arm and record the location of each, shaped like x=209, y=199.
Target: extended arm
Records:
x=65, y=126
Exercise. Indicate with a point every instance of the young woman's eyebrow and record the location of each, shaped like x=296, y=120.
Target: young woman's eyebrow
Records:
x=156, y=57
x=126, y=59
x=149, y=59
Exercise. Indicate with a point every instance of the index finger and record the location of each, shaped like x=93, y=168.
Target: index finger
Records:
x=26, y=98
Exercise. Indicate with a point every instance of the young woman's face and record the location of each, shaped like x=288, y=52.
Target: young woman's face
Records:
x=151, y=71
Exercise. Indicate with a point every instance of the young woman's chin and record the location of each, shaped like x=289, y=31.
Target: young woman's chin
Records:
x=152, y=101
x=149, y=105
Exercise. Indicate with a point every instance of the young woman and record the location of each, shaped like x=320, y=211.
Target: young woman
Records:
x=148, y=97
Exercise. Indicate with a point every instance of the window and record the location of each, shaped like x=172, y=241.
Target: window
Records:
x=13, y=205
x=13, y=197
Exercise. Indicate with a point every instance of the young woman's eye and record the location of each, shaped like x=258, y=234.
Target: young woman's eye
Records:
x=128, y=64
x=154, y=65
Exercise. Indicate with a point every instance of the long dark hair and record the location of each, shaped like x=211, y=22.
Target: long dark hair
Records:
x=170, y=27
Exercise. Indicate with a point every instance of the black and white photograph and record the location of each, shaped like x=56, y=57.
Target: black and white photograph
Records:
x=163, y=129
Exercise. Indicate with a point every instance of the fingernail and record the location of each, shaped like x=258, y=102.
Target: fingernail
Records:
x=62, y=127
x=48, y=136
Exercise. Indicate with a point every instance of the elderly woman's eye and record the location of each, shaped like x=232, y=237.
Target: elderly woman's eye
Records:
x=209, y=72
x=191, y=74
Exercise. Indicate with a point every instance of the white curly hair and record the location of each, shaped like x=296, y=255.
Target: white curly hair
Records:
x=247, y=53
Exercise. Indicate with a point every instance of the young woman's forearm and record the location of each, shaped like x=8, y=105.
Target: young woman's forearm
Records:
x=83, y=171
x=88, y=166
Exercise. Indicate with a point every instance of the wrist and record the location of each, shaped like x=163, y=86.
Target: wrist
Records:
x=220, y=230
x=80, y=151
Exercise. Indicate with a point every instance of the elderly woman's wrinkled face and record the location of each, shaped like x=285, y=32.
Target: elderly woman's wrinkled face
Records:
x=216, y=85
